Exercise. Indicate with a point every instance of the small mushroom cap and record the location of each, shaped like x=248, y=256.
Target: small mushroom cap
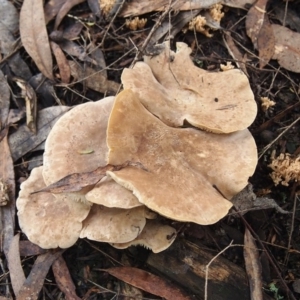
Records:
x=173, y=89
x=110, y=194
x=155, y=236
x=48, y=221
x=77, y=142
x=114, y=225
x=188, y=170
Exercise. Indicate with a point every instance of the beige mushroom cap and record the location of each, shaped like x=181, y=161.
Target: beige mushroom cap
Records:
x=110, y=194
x=155, y=236
x=114, y=225
x=171, y=87
x=185, y=166
x=77, y=142
x=47, y=220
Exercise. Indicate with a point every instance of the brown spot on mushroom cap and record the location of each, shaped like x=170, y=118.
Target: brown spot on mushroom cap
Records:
x=184, y=164
x=49, y=221
x=110, y=194
x=114, y=225
x=175, y=90
x=155, y=236
x=77, y=143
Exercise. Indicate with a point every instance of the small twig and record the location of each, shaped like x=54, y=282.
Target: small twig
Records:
x=113, y=13
x=285, y=13
x=18, y=46
x=6, y=279
x=269, y=65
x=277, y=138
x=84, y=78
x=154, y=28
x=293, y=221
x=207, y=267
x=270, y=258
x=104, y=253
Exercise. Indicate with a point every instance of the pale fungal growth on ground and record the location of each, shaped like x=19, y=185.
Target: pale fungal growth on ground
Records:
x=227, y=67
x=207, y=22
x=4, y=198
x=106, y=6
x=199, y=25
x=187, y=174
x=285, y=169
x=266, y=103
x=216, y=12
x=136, y=23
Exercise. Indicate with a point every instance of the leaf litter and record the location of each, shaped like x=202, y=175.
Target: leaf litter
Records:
x=276, y=42
x=34, y=35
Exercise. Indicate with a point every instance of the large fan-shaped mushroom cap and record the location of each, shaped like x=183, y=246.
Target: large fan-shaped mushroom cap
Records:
x=190, y=173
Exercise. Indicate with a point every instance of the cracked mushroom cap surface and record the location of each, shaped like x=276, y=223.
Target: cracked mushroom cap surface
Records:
x=189, y=171
x=172, y=88
x=114, y=225
x=47, y=220
x=155, y=236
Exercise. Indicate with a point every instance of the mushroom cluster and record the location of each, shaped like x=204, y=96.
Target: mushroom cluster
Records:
x=184, y=125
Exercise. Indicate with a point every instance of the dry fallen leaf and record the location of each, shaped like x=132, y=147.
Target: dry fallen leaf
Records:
x=52, y=7
x=77, y=181
x=63, y=279
x=253, y=266
x=64, y=10
x=34, y=282
x=287, y=16
x=29, y=95
x=94, y=6
x=62, y=63
x=23, y=140
x=234, y=52
x=7, y=178
x=265, y=43
x=9, y=25
x=246, y=200
x=135, y=8
x=4, y=100
x=93, y=79
x=29, y=249
x=34, y=35
x=238, y=3
x=260, y=31
x=14, y=265
x=287, y=45
x=147, y=282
